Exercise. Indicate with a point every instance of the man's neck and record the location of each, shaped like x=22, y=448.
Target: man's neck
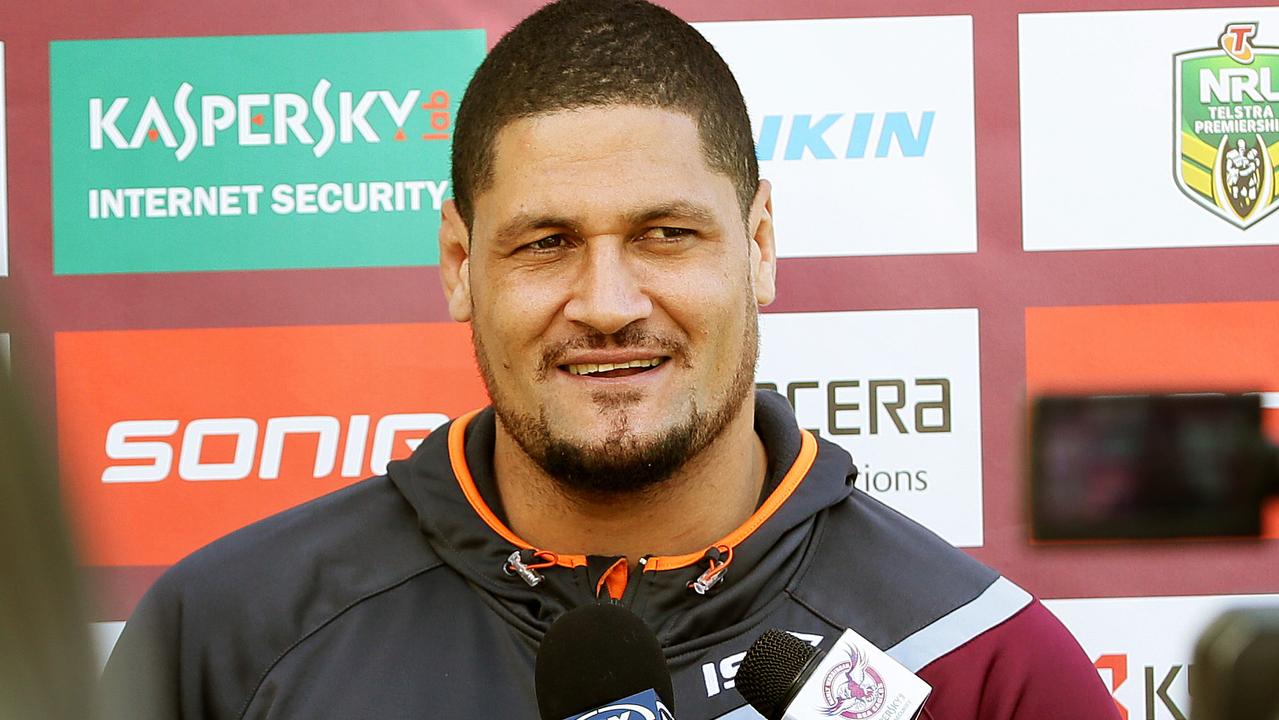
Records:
x=706, y=499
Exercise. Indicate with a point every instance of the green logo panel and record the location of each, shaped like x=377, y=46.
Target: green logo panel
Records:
x=256, y=152
x=1227, y=126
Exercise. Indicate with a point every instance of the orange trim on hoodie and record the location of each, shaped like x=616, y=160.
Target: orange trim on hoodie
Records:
x=614, y=579
x=798, y=470
x=457, y=458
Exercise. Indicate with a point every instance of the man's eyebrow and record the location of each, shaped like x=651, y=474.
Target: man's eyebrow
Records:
x=675, y=210
x=524, y=222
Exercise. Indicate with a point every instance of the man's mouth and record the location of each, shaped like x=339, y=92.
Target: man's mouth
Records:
x=614, y=370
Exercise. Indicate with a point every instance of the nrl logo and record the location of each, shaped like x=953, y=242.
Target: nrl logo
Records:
x=1225, y=125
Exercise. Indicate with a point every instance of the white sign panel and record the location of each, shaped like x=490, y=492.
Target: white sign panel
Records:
x=1143, y=647
x=864, y=127
x=899, y=390
x=1148, y=129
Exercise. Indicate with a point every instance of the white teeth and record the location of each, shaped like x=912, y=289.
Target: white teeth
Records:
x=590, y=368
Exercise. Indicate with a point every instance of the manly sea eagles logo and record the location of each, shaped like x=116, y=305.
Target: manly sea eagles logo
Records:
x=1226, y=125
x=852, y=688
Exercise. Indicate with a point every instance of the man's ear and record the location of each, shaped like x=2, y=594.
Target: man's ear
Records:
x=455, y=262
x=763, y=245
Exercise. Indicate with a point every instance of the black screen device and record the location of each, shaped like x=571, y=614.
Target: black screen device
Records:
x=1148, y=466
x=595, y=655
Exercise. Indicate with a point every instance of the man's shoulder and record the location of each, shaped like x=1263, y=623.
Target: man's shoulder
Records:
x=349, y=542
x=888, y=577
x=222, y=617
x=988, y=647
x=1026, y=666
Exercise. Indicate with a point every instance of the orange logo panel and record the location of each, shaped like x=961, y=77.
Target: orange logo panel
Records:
x=1202, y=347
x=169, y=439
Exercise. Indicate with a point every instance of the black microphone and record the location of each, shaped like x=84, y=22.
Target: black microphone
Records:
x=785, y=678
x=775, y=667
x=597, y=656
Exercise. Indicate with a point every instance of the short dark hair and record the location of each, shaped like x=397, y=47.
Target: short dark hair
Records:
x=583, y=53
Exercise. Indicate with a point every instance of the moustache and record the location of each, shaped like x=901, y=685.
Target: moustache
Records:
x=629, y=337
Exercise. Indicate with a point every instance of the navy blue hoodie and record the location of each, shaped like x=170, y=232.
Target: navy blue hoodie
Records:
x=407, y=596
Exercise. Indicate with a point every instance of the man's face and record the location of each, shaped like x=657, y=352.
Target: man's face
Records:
x=612, y=284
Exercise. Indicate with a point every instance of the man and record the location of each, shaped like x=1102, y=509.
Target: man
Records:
x=610, y=242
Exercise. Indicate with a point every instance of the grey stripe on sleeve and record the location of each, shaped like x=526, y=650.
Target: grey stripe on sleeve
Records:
x=995, y=604
x=745, y=712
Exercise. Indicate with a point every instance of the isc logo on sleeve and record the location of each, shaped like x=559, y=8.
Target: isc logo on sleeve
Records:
x=169, y=439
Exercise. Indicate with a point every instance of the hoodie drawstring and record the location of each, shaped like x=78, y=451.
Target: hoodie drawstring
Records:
x=522, y=563
x=719, y=557
x=527, y=562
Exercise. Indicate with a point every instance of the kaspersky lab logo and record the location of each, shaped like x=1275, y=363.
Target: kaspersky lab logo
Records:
x=188, y=121
x=1226, y=118
x=253, y=152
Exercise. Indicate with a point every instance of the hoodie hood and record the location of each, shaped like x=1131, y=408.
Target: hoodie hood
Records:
x=450, y=484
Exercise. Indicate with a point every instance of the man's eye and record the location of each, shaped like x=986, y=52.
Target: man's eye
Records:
x=667, y=233
x=550, y=242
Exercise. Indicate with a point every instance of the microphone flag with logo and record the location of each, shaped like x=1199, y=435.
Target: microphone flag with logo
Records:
x=785, y=678
x=600, y=662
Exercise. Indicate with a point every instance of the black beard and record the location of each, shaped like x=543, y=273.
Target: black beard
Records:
x=624, y=463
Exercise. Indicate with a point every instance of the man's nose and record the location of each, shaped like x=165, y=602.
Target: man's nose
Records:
x=608, y=294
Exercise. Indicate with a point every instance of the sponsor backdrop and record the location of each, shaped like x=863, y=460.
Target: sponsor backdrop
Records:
x=907, y=406
x=277, y=416
x=291, y=151
x=854, y=146
x=218, y=259
x=4, y=190
x=1144, y=647
x=1111, y=101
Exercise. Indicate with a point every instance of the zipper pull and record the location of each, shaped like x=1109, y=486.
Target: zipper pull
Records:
x=521, y=563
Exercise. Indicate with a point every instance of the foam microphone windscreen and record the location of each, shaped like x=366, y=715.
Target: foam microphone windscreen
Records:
x=594, y=655
x=773, y=671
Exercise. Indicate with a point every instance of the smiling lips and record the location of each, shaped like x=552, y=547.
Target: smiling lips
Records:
x=613, y=370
